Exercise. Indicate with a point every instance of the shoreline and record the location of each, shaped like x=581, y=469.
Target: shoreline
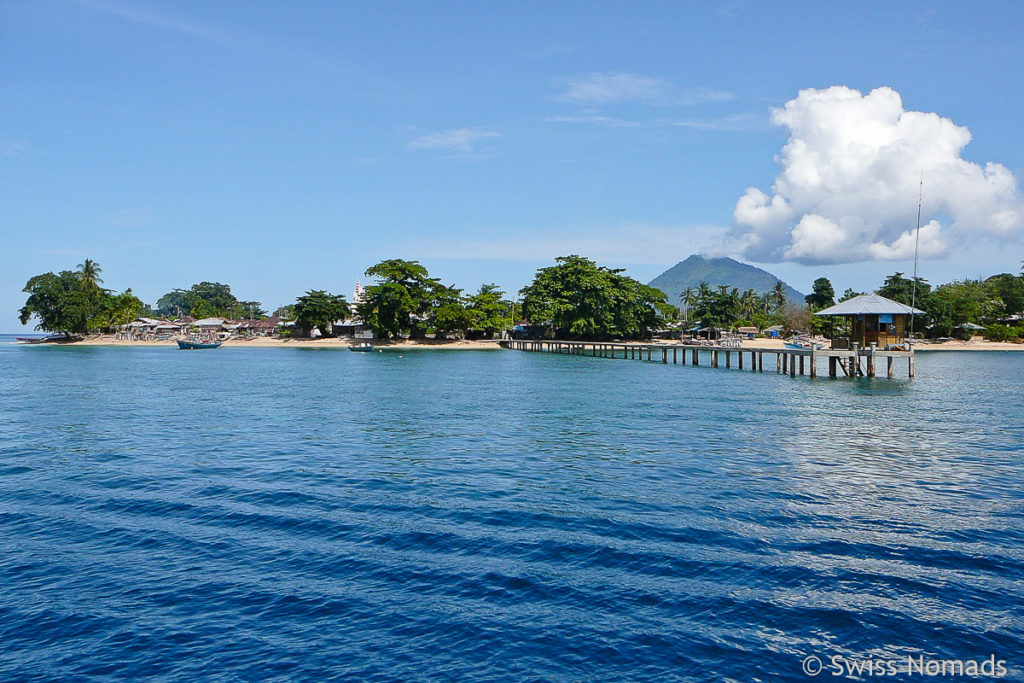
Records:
x=483, y=344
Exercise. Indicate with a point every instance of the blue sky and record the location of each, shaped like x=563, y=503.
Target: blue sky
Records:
x=281, y=146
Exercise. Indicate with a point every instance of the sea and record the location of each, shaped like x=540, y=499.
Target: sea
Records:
x=269, y=514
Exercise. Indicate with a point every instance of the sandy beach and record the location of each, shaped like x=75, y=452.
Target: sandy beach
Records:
x=492, y=344
x=330, y=343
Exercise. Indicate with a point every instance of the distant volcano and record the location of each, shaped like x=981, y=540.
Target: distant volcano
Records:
x=718, y=271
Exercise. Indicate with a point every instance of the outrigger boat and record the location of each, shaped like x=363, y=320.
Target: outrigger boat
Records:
x=365, y=346
x=190, y=345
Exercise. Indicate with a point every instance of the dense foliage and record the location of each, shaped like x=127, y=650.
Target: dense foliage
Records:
x=578, y=298
x=74, y=303
x=490, y=313
x=574, y=298
x=207, y=300
x=399, y=303
x=317, y=309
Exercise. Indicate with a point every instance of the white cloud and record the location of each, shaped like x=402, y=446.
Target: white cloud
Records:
x=616, y=87
x=850, y=178
x=461, y=141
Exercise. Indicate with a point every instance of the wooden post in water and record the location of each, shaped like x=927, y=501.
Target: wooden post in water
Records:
x=910, y=364
x=664, y=356
x=728, y=359
x=696, y=357
x=832, y=366
x=801, y=364
x=871, y=359
x=814, y=362
x=888, y=367
x=741, y=360
x=792, y=365
x=760, y=361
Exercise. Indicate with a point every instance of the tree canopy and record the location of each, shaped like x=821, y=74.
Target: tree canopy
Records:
x=822, y=295
x=318, y=309
x=489, y=312
x=400, y=302
x=73, y=302
x=208, y=300
x=578, y=298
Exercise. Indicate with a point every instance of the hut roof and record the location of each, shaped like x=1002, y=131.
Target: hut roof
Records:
x=870, y=304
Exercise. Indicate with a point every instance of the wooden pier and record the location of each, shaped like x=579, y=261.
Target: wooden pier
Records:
x=854, y=362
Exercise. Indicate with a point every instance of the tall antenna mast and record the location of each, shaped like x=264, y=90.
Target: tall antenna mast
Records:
x=917, y=242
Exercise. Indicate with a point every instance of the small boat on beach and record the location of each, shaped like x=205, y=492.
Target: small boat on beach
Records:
x=364, y=347
x=803, y=343
x=190, y=345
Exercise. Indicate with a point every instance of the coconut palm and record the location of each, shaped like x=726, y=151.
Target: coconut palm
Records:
x=778, y=294
x=689, y=297
x=89, y=273
x=749, y=302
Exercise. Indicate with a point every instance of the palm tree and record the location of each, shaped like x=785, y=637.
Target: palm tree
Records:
x=89, y=273
x=779, y=294
x=748, y=302
x=689, y=296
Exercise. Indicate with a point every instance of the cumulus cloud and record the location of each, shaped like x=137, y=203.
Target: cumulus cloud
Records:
x=461, y=141
x=849, y=182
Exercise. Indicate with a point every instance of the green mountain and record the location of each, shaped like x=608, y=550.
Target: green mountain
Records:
x=717, y=271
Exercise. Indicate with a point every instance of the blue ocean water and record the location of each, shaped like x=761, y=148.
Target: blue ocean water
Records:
x=305, y=515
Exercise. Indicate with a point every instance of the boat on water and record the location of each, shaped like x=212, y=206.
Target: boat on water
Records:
x=364, y=347
x=43, y=340
x=190, y=345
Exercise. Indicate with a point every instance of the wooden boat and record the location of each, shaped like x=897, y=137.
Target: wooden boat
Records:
x=365, y=346
x=802, y=343
x=43, y=340
x=190, y=345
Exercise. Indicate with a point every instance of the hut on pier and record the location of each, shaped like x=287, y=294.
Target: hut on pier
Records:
x=870, y=319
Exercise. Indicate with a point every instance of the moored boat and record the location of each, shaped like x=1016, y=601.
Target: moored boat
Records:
x=190, y=345
x=365, y=346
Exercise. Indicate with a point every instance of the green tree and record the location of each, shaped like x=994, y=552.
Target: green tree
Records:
x=849, y=294
x=901, y=289
x=212, y=299
x=176, y=303
x=688, y=297
x=448, y=313
x=953, y=304
x=319, y=309
x=778, y=296
x=489, y=313
x=115, y=310
x=89, y=273
x=1010, y=289
x=822, y=294
x=578, y=298
x=400, y=302
x=717, y=307
x=61, y=303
